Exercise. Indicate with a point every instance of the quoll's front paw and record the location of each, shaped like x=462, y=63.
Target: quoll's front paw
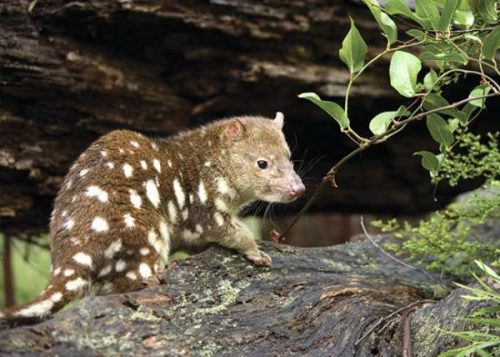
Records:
x=259, y=258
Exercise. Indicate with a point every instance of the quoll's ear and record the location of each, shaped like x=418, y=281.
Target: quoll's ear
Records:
x=279, y=119
x=235, y=129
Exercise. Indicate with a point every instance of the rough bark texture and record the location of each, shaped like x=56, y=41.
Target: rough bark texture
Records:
x=312, y=301
x=71, y=71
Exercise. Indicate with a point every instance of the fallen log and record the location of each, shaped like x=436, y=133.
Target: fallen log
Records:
x=347, y=300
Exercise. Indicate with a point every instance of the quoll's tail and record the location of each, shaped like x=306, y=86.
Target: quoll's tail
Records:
x=64, y=287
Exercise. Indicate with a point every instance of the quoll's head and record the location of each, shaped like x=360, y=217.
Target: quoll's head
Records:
x=260, y=156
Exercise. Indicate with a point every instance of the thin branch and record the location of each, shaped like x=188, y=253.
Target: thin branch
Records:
x=391, y=315
x=387, y=254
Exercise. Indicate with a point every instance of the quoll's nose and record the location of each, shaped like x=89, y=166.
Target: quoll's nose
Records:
x=297, y=189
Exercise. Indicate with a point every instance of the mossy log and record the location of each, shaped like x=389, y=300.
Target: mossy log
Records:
x=348, y=300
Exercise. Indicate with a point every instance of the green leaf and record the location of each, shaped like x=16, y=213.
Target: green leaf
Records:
x=428, y=10
x=479, y=91
x=438, y=127
x=429, y=161
x=333, y=109
x=353, y=50
x=399, y=7
x=381, y=122
x=491, y=43
x=384, y=21
x=486, y=9
x=434, y=53
x=450, y=6
x=464, y=18
x=453, y=124
x=417, y=34
x=430, y=79
x=435, y=101
x=491, y=322
x=403, y=73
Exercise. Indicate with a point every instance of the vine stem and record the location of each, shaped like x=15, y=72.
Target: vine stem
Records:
x=329, y=177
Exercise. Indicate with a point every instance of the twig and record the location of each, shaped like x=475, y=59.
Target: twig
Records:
x=391, y=315
x=387, y=254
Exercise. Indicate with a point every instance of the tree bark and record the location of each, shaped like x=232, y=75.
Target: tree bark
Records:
x=348, y=300
x=71, y=71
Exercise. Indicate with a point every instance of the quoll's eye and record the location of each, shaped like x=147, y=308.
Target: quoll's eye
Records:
x=262, y=164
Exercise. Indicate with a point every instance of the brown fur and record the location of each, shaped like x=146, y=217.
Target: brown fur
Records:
x=128, y=200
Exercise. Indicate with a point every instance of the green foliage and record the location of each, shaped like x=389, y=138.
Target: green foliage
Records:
x=333, y=109
x=30, y=265
x=474, y=156
x=487, y=336
x=403, y=73
x=353, y=50
x=448, y=241
x=450, y=34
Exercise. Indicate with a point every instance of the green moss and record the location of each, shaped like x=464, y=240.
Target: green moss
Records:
x=335, y=266
x=228, y=295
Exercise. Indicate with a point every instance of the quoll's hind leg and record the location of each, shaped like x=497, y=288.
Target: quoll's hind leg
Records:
x=133, y=267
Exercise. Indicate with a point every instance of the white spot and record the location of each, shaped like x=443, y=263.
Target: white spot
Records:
x=134, y=143
x=68, y=272
x=185, y=214
x=180, y=156
x=39, y=309
x=56, y=297
x=70, y=223
x=121, y=151
x=99, y=224
x=144, y=270
x=68, y=184
x=223, y=187
x=179, y=194
x=83, y=259
x=129, y=220
x=110, y=165
x=207, y=163
x=154, y=146
x=95, y=191
x=73, y=199
x=155, y=242
x=131, y=275
x=107, y=288
x=105, y=271
x=218, y=218
x=172, y=212
x=144, y=251
x=76, y=284
x=221, y=205
x=120, y=265
x=104, y=153
x=127, y=170
x=144, y=165
x=113, y=248
x=202, y=193
x=83, y=172
x=74, y=241
x=189, y=235
x=57, y=271
x=169, y=163
x=157, y=165
x=152, y=193
x=166, y=240
x=64, y=213
x=199, y=228
x=135, y=199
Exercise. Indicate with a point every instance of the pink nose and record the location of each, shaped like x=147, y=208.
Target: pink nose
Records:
x=297, y=189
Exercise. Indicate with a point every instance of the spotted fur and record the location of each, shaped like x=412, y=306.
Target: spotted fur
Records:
x=129, y=199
